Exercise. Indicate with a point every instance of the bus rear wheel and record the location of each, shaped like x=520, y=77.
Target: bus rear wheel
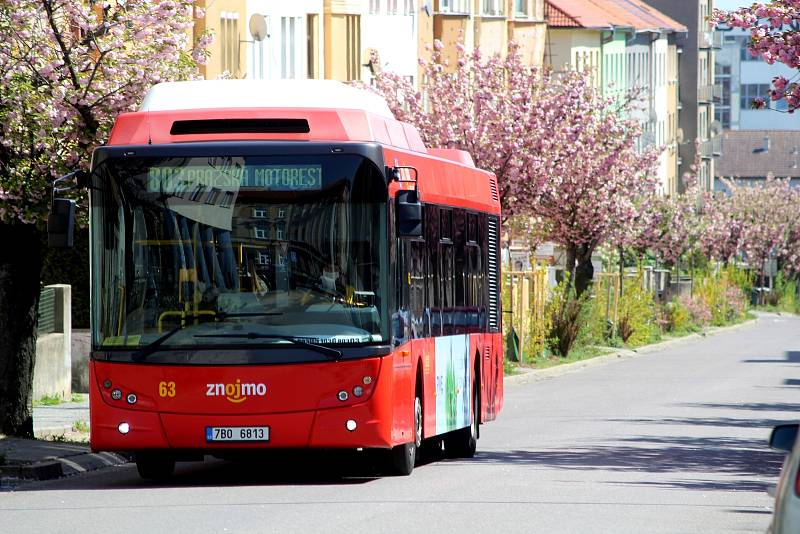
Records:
x=154, y=465
x=402, y=458
x=463, y=443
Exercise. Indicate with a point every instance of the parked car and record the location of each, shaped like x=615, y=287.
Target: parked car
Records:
x=786, y=517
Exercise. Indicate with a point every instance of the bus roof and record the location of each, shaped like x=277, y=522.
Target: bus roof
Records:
x=276, y=110
x=275, y=94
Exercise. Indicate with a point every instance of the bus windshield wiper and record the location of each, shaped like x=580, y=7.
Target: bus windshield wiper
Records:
x=322, y=349
x=151, y=347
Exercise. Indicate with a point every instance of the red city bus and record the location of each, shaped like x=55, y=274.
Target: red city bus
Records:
x=285, y=265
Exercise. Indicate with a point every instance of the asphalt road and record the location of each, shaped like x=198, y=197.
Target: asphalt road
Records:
x=670, y=441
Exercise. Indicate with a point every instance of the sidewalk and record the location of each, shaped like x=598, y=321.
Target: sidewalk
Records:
x=41, y=459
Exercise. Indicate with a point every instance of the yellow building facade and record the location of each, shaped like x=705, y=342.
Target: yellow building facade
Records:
x=226, y=20
x=335, y=39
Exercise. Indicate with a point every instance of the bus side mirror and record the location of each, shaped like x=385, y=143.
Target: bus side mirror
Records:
x=61, y=223
x=409, y=213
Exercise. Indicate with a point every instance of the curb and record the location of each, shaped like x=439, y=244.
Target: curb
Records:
x=50, y=467
x=527, y=375
x=56, y=467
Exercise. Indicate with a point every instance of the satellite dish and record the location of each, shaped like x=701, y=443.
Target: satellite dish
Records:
x=715, y=128
x=258, y=27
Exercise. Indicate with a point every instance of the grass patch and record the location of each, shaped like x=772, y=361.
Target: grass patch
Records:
x=79, y=397
x=510, y=368
x=584, y=352
x=48, y=400
x=71, y=436
x=80, y=426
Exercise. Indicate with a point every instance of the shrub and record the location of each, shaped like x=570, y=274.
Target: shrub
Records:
x=699, y=313
x=784, y=294
x=565, y=319
x=637, y=314
x=722, y=296
x=598, y=313
x=675, y=316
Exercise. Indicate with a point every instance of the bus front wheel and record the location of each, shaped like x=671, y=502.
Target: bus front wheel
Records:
x=402, y=458
x=154, y=465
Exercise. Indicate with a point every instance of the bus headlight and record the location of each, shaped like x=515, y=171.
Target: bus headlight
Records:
x=124, y=428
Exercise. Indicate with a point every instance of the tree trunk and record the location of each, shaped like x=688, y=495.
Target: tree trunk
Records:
x=571, y=254
x=584, y=272
x=20, y=272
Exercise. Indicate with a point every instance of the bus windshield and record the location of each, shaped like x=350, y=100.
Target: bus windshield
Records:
x=238, y=251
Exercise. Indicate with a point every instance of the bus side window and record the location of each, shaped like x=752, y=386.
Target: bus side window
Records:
x=432, y=280
x=460, y=270
x=419, y=326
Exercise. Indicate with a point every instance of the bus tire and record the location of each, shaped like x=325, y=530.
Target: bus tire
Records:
x=463, y=442
x=154, y=465
x=402, y=458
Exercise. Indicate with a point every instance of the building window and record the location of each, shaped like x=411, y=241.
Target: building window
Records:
x=281, y=214
x=227, y=200
x=391, y=7
x=750, y=91
x=262, y=258
x=213, y=195
x=453, y=6
x=288, y=47
x=198, y=193
x=260, y=213
x=492, y=8
x=408, y=7
x=374, y=7
x=229, y=42
x=521, y=8
x=261, y=233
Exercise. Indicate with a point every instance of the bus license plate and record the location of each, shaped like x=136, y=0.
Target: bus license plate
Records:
x=237, y=433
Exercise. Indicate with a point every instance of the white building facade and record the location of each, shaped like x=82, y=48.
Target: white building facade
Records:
x=389, y=34
x=293, y=46
x=740, y=78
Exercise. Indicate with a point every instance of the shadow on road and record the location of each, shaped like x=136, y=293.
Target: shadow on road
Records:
x=275, y=468
x=791, y=356
x=748, y=460
x=734, y=422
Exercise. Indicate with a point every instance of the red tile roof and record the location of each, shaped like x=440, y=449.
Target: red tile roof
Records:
x=608, y=14
x=557, y=18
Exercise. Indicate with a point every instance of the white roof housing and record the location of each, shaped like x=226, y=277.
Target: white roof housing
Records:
x=221, y=94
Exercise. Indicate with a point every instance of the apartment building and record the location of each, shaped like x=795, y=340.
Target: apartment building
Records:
x=631, y=47
x=742, y=77
x=698, y=135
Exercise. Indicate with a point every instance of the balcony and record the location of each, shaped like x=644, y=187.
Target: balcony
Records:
x=711, y=148
x=705, y=94
x=710, y=40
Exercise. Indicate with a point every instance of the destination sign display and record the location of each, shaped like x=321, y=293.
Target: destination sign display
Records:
x=268, y=177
